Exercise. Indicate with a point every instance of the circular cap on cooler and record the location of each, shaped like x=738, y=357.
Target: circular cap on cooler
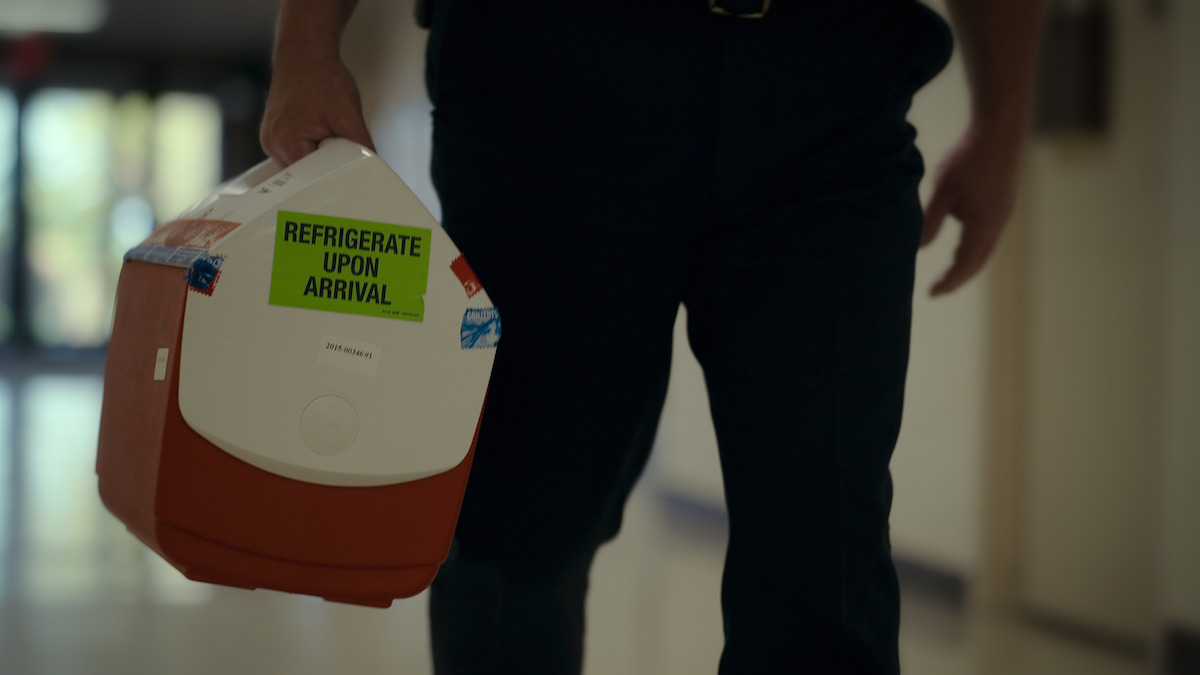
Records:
x=329, y=424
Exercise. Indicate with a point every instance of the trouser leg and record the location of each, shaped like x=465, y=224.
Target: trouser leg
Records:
x=576, y=390
x=566, y=177
x=564, y=436
x=487, y=618
x=801, y=322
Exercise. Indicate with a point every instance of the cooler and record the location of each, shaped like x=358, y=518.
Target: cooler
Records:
x=294, y=383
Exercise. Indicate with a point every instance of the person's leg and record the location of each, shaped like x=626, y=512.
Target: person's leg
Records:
x=566, y=431
x=573, y=403
x=800, y=318
x=566, y=182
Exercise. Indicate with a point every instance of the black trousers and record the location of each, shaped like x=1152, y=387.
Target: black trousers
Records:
x=601, y=162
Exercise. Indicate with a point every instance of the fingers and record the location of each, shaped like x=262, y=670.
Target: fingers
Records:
x=309, y=105
x=285, y=148
x=285, y=135
x=982, y=216
x=288, y=141
x=974, y=249
x=975, y=183
x=356, y=130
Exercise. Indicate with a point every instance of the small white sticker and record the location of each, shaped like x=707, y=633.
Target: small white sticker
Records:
x=350, y=355
x=160, y=364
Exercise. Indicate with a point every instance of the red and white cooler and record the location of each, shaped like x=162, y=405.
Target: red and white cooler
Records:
x=295, y=378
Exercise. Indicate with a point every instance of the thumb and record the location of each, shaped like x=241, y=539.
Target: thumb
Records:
x=355, y=129
x=290, y=150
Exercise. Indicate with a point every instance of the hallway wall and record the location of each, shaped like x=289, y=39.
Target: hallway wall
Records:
x=1181, y=466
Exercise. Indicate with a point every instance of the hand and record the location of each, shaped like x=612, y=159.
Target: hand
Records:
x=975, y=183
x=307, y=104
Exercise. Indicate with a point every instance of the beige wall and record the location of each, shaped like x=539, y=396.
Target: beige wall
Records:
x=1105, y=457
x=1095, y=331
x=1181, y=577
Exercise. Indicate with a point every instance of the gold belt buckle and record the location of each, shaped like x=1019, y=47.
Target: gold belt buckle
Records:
x=718, y=9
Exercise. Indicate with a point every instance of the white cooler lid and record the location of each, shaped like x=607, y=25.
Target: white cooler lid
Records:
x=335, y=336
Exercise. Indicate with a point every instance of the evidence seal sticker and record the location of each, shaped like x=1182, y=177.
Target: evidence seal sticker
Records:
x=203, y=273
x=350, y=266
x=466, y=276
x=481, y=328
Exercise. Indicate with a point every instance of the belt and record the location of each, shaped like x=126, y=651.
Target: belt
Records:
x=745, y=9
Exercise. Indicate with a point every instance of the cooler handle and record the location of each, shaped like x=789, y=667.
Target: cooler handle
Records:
x=259, y=174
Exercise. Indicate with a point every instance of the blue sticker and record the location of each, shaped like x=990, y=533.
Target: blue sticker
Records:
x=203, y=273
x=481, y=328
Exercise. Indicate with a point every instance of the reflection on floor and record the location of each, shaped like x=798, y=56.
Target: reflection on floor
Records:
x=80, y=596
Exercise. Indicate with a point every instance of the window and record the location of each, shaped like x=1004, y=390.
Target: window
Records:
x=8, y=182
x=98, y=171
x=94, y=153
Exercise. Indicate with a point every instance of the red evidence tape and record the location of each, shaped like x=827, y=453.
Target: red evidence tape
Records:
x=466, y=275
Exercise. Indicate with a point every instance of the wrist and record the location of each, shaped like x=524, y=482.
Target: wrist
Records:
x=301, y=59
x=309, y=32
x=306, y=51
x=1010, y=123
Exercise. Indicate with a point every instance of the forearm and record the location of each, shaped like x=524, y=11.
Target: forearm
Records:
x=999, y=40
x=310, y=31
x=313, y=95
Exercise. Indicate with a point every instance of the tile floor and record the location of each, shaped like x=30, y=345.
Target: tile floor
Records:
x=80, y=596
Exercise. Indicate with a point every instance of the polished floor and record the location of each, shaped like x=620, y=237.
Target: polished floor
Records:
x=80, y=596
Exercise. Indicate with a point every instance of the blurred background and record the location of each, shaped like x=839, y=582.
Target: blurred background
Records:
x=1046, y=519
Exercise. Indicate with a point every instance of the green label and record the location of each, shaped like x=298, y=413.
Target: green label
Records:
x=350, y=266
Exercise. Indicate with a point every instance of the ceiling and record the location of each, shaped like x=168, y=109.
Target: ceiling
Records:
x=201, y=28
